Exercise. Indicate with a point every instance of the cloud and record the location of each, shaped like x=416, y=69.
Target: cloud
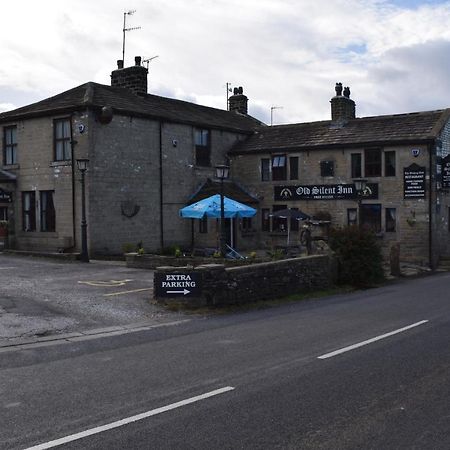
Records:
x=287, y=53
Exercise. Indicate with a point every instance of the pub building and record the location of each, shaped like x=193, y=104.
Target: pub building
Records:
x=404, y=160
x=148, y=156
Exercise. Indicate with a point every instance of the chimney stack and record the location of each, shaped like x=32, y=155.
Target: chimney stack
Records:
x=342, y=107
x=133, y=78
x=238, y=102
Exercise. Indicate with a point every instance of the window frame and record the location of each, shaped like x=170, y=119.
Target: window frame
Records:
x=327, y=167
x=279, y=224
x=364, y=209
x=392, y=228
x=265, y=219
x=293, y=168
x=29, y=214
x=393, y=168
x=279, y=167
x=203, y=225
x=352, y=221
x=47, y=214
x=356, y=166
x=372, y=162
x=202, y=147
x=10, y=147
x=66, y=153
x=265, y=169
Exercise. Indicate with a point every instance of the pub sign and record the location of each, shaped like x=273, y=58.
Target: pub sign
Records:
x=5, y=196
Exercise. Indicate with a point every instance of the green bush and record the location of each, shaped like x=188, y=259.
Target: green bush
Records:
x=360, y=262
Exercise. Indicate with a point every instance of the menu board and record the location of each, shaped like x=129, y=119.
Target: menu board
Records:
x=446, y=172
x=414, y=181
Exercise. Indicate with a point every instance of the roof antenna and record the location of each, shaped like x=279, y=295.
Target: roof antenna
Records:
x=228, y=95
x=149, y=60
x=125, y=29
x=271, y=113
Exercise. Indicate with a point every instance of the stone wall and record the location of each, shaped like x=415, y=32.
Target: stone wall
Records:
x=263, y=281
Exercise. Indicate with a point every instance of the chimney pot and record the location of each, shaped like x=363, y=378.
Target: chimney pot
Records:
x=238, y=102
x=137, y=60
x=342, y=106
x=120, y=63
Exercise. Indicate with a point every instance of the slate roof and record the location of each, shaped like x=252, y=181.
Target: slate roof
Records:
x=122, y=100
x=230, y=189
x=420, y=127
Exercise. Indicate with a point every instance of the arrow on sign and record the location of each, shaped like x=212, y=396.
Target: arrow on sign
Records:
x=184, y=292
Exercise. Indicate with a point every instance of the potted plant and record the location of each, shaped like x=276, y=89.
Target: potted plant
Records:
x=3, y=228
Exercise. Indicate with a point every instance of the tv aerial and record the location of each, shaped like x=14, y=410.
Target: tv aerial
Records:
x=149, y=60
x=125, y=29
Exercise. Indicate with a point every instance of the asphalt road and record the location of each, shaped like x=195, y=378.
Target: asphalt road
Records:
x=369, y=370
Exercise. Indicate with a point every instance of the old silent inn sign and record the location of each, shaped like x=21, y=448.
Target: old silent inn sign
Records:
x=323, y=192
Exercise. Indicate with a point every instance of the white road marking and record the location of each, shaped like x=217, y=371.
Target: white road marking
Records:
x=110, y=283
x=127, y=292
x=369, y=341
x=126, y=421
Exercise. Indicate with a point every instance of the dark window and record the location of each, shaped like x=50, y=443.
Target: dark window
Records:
x=390, y=219
x=265, y=219
x=265, y=169
x=29, y=211
x=294, y=222
x=279, y=167
x=356, y=165
x=352, y=216
x=47, y=211
x=246, y=223
x=62, y=138
x=3, y=213
x=10, y=145
x=203, y=225
x=293, y=168
x=202, y=148
x=389, y=164
x=279, y=223
x=372, y=162
x=371, y=217
x=327, y=168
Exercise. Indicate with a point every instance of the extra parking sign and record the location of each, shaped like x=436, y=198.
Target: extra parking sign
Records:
x=177, y=285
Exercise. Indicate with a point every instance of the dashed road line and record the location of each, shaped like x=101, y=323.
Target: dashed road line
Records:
x=128, y=420
x=369, y=341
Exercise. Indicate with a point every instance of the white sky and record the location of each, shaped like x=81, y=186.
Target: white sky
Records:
x=394, y=54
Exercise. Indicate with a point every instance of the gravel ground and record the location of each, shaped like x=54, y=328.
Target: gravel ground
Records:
x=40, y=297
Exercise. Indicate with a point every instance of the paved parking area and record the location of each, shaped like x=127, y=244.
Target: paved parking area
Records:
x=42, y=297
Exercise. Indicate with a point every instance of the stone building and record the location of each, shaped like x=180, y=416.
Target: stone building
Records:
x=312, y=167
x=147, y=156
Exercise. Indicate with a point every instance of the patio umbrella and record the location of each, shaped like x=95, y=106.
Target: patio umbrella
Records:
x=210, y=207
x=290, y=214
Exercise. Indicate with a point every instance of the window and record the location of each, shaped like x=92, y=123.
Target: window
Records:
x=327, y=168
x=265, y=219
x=293, y=168
x=390, y=219
x=29, y=211
x=203, y=225
x=356, y=165
x=279, y=167
x=10, y=145
x=352, y=216
x=265, y=169
x=371, y=217
x=372, y=162
x=389, y=164
x=279, y=223
x=202, y=148
x=3, y=213
x=294, y=222
x=246, y=223
x=62, y=136
x=47, y=211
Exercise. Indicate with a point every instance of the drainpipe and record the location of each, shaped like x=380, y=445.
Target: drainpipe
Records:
x=73, y=143
x=430, y=208
x=161, y=215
